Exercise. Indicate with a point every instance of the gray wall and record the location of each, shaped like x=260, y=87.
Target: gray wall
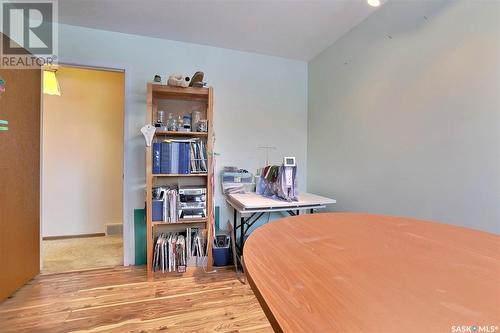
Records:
x=404, y=114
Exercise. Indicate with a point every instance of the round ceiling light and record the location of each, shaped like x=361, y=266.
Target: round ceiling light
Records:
x=373, y=3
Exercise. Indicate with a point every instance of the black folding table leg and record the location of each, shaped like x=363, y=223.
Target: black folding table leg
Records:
x=235, y=220
x=242, y=234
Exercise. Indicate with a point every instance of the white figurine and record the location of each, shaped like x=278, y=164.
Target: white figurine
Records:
x=149, y=132
x=178, y=80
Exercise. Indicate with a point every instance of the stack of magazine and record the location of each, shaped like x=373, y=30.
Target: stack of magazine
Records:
x=170, y=206
x=173, y=252
x=198, y=157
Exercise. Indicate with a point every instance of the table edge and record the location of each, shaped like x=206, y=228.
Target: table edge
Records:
x=267, y=311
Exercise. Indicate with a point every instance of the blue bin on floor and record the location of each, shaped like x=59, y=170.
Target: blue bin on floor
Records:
x=220, y=250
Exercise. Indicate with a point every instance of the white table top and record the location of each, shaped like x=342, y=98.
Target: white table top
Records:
x=252, y=202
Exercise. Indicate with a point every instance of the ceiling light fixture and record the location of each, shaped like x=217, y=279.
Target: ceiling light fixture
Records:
x=50, y=83
x=373, y=3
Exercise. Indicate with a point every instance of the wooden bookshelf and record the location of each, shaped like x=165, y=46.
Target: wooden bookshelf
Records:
x=179, y=101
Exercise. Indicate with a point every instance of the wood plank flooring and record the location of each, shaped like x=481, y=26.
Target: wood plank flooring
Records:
x=123, y=300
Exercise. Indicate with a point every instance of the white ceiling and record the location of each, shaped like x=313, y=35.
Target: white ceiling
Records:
x=296, y=29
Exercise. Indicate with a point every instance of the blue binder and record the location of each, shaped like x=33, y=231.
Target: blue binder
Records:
x=156, y=157
x=184, y=158
x=187, y=157
x=181, y=158
x=157, y=207
x=166, y=157
x=174, y=157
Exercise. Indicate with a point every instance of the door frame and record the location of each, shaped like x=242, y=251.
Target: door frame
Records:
x=128, y=223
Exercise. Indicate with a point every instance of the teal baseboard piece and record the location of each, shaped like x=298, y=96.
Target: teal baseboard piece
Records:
x=140, y=237
x=217, y=216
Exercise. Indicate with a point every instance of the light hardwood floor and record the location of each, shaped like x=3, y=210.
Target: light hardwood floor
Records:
x=122, y=300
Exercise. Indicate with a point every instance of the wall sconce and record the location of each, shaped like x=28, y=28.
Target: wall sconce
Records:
x=50, y=83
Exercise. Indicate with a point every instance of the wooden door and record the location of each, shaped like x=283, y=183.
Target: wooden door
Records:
x=19, y=179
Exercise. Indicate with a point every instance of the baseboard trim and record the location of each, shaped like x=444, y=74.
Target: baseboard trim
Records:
x=100, y=234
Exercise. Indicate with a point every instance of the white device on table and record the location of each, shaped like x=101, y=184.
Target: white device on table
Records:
x=289, y=164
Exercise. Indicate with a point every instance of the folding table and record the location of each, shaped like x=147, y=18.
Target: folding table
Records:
x=256, y=205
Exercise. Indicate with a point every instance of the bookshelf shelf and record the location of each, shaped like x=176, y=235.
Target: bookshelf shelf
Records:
x=181, y=134
x=179, y=101
x=160, y=91
x=182, y=221
x=179, y=175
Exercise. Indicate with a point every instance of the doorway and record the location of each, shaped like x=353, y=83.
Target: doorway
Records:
x=82, y=168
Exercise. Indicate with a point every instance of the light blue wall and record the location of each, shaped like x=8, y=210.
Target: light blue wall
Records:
x=404, y=114
x=259, y=100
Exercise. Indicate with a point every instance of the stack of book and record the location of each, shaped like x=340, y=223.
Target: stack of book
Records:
x=173, y=252
x=179, y=157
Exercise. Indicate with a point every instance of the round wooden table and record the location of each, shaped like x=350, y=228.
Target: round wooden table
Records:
x=346, y=272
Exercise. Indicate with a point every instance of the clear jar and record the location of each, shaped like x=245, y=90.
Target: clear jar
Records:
x=202, y=126
x=180, y=124
x=171, y=123
x=195, y=119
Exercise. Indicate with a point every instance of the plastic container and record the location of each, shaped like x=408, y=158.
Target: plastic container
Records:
x=221, y=256
x=220, y=250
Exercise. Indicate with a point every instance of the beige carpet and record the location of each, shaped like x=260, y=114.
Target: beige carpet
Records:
x=64, y=255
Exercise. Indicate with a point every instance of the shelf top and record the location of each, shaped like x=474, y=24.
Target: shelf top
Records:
x=183, y=221
x=171, y=92
x=179, y=174
x=187, y=134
